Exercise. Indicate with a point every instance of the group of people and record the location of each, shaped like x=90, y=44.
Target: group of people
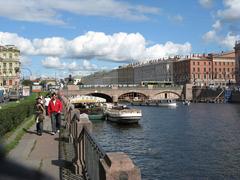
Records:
x=48, y=107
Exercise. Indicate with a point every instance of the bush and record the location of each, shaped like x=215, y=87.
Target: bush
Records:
x=13, y=115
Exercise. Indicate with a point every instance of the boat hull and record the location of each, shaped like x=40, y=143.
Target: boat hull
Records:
x=124, y=120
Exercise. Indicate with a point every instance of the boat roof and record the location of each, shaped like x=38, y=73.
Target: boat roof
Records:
x=86, y=99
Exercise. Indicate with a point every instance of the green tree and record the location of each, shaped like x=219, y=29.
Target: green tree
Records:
x=27, y=82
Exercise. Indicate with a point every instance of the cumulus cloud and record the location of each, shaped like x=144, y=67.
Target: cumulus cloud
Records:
x=206, y=3
x=118, y=47
x=49, y=11
x=231, y=11
x=53, y=62
x=227, y=41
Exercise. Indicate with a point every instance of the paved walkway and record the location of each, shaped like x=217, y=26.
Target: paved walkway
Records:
x=39, y=152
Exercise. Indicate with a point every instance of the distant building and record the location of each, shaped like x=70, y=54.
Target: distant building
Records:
x=205, y=70
x=155, y=70
x=126, y=75
x=103, y=78
x=9, y=66
x=193, y=69
x=223, y=66
x=237, y=61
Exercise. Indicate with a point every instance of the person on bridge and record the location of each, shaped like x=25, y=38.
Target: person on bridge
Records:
x=54, y=111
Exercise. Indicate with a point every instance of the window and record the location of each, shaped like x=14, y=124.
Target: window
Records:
x=220, y=70
x=193, y=63
x=220, y=76
x=198, y=69
x=209, y=63
x=198, y=63
x=227, y=69
x=223, y=63
x=198, y=76
x=219, y=63
x=10, y=65
x=215, y=63
x=204, y=69
x=10, y=55
x=4, y=65
x=204, y=76
x=193, y=69
x=204, y=63
x=227, y=63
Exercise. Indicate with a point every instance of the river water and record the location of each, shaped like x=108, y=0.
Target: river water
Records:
x=200, y=141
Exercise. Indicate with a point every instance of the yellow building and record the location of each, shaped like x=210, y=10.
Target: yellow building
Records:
x=9, y=66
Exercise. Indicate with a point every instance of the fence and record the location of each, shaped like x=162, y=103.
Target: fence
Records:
x=90, y=160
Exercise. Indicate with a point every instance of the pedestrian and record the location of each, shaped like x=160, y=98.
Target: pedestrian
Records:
x=47, y=100
x=40, y=111
x=54, y=110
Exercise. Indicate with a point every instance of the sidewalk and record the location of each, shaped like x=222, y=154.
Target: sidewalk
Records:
x=39, y=152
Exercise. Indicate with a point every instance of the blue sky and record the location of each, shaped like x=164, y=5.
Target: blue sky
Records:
x=65, y=37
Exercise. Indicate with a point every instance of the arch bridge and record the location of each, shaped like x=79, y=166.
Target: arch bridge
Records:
x=115, y=94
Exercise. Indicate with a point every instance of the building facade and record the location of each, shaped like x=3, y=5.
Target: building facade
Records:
x=237, y=61
x=205, y=70
x=9, y=66
x=126, y=75
x=223, y=66
x=158, y=70
x=101, y=78
x=193, y=69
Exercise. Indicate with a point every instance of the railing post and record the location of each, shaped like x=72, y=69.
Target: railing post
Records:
x=79, y=142
x=118, y=166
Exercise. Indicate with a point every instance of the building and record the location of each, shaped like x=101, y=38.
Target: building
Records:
x=155, y=70
x=104, y=78
x=205, y=70
x=237, y=61
x=126, y=75
x=223, y=66
x=193, y=69
x=9, y=66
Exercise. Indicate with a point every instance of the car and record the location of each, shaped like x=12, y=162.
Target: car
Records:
x=13, y=95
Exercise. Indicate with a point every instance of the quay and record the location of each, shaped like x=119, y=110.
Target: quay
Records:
x=72, y=154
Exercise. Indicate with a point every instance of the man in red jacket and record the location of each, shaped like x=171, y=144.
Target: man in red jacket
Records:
x=54, y=110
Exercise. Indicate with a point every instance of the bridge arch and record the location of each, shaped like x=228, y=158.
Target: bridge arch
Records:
x=129, y=96
x=166, y=95
x=102, y=95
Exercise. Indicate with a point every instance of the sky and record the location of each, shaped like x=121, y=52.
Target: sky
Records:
x=78, y=37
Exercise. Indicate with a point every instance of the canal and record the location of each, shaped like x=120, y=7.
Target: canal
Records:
x=200, y=141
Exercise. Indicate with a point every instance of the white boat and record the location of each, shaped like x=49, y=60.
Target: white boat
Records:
x=123, y=115
x=167, y=103
x=186, y=102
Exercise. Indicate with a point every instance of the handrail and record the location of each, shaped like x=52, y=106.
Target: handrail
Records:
x=90, y=160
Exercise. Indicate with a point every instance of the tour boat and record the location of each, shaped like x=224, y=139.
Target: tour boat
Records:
x=123, y=115
x=89, y=105
x=167, y=103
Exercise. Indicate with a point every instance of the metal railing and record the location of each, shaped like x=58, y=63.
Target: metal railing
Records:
x=90, y=160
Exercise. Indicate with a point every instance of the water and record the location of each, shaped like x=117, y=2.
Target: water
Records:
x=200, y=141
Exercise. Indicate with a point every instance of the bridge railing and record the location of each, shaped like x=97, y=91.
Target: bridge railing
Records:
x=90, y=160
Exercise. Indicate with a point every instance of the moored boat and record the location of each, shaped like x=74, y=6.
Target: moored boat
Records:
x=167, y=103
x=123, y=115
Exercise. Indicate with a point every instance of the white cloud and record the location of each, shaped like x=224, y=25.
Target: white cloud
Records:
x=227, y=41
x=117, y=47
x=88, y=66
x=231, y=12
x=53, y=62
x=206, y=3
x=49, y=11
x=25, y=45
x=217, y=25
